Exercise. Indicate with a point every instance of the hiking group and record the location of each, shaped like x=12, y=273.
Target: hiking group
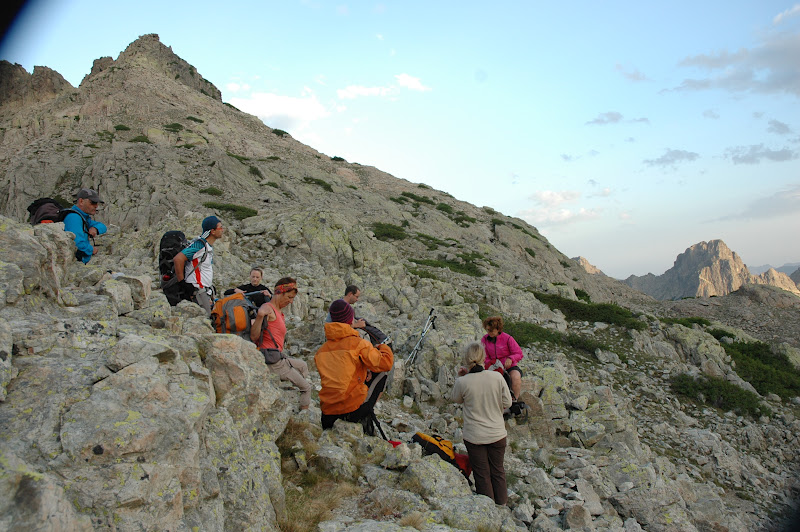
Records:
x=353, y=370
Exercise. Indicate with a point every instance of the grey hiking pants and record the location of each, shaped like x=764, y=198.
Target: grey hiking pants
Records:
x=295, y=371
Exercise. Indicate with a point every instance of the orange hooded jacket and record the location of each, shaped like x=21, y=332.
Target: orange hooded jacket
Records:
x=342, y=362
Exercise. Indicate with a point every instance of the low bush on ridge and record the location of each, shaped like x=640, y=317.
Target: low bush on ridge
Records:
x=720, y=394
x=579, y=311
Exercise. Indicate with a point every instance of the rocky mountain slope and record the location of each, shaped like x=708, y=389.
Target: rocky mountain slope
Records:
x=707, y=269
x=119, y=412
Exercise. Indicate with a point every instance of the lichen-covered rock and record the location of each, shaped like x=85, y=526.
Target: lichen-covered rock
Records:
x=433, y=478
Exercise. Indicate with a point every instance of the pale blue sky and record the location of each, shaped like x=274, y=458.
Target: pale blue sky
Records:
x=625, y=132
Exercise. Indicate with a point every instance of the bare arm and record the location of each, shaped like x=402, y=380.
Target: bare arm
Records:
x=264, y=311
x=180, y=262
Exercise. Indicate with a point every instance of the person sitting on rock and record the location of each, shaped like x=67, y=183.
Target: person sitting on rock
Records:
x=343, y=362
x=270, y=339
x=256, y=274
x=80, y=223
x=501, y=347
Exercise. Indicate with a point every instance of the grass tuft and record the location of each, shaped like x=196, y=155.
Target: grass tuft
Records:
x=720, y=394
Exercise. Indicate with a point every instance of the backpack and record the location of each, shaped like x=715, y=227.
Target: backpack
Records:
x=435, y=444
x=46, y=210
x=172, y=243
x=232, y=315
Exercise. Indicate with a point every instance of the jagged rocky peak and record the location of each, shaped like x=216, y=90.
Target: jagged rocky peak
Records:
x=707, y=269
x=148, y=52
x=590, y=268
x=18, y=87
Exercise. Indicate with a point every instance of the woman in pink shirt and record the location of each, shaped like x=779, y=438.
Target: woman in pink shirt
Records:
x=501, y=347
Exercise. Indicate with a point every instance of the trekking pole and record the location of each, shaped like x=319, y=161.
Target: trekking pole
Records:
x=377, y=423
x=430, y=322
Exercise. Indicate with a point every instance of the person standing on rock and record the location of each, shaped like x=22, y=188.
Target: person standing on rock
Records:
x=270, y=339
x=485, y=396
x=501, y=347
x=195, y=263
x=79, y=222
x=352, y=371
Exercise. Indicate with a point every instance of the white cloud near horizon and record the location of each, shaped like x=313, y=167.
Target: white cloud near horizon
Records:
x=284, y=112
x=352, y=92
x=550, y=211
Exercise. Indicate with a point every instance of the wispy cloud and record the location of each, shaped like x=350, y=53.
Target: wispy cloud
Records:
x=779, y=204
x=614, y=117
x=236, y=87
x=770, y=67
x=403, y=81
x=411, y=83
x=354, y=91
x=611, y=117
x=791, y=12
x=284, y=112
x=710, y=113
x=671, y=158
x=633, y=75
x=757, y=153
x=778, y=127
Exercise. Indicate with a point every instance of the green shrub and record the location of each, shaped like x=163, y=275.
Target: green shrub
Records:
x=423, y=185
x=419, y=199
x=319, y=182
x=388, y=232
x=444, y=207
x=231, y=106
x=187, y=146
x=431, y=242
x=122, y=127
x=768, y=372
x=687, y=322
x=496, y=222
x=194, y=119
x=467, y=268
x=531, y=252
x=591, y=312
x=423, y=274
x=582, y=295
x=565, y=263
x=173, y=127
x=527, y=334
x=720, y=394
x=401, y=200
x=255, y=171
x=240, y=212
x=338, y=159
x=91, y=145
x=211, y=191
x=141, y=138
x=273, y=184
x=240, y=158
x=273, y=158
x=489, y=210
x=280, y=132
x=462, y=219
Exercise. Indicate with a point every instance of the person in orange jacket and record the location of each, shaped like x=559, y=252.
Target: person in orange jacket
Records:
x=352, y=371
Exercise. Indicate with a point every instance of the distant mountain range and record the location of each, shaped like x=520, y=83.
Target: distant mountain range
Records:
x=789, y=268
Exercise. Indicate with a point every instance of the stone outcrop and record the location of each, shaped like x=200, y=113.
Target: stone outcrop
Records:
x=119, y=412
x=706, y=269
x=584, y=263
x=18, y=88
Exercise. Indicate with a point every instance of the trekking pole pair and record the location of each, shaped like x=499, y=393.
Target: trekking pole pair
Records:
x=430, y=322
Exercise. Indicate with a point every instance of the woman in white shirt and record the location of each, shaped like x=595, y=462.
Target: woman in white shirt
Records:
x=484, y=395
